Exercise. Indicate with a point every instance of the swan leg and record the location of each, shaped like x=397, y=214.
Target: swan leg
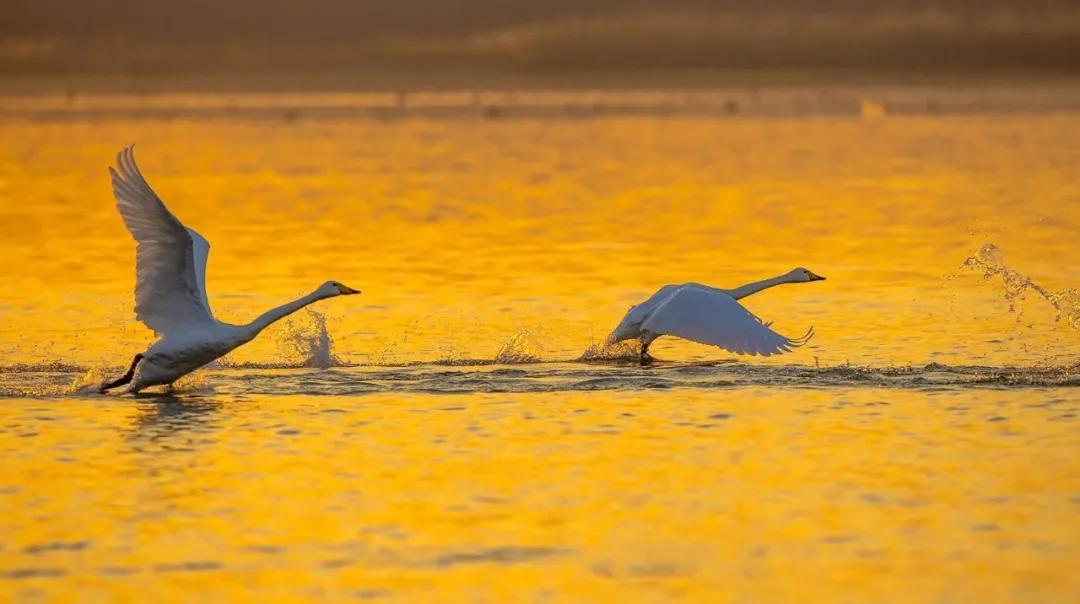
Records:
x=124, y=379
x=646, y=358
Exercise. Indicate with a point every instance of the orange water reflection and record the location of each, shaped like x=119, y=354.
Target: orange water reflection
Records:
x=751, y=494
x=468, y=234
x=463, y=232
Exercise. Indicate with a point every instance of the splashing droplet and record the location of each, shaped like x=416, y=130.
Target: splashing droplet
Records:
x=990, y=261
x=310, y=341
x=606, y=351
x=522, y=347
x=89, y=382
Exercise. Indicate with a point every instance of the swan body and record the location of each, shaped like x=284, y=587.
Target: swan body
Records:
x=709, y=315
x=170, y=288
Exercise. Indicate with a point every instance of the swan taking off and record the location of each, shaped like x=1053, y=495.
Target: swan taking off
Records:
x=170, y=288
x=708, y=315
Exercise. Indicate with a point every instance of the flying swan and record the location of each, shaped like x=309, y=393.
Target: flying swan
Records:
x=170, y=288
x=708, y=315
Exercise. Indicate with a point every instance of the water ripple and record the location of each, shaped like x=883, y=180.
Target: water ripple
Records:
x=42, y=381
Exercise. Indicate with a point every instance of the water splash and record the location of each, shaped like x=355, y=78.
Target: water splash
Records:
x=88, y=382
x=608, y=351
x=310, y=341
x=990, y=261
x=522, y=347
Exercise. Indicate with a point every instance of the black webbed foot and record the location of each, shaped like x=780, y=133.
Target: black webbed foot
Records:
x=124, y=379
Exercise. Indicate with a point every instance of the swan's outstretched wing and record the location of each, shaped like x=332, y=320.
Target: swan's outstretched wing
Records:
x=200, y=251
x=170, y=259
x=712, y=317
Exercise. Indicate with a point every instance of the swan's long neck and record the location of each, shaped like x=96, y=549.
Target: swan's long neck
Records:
x=276, y=314
x=755, y=287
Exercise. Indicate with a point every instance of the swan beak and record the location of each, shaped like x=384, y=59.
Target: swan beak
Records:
x=348, y=291
x=814, y=277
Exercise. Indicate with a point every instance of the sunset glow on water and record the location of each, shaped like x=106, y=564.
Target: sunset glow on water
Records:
x=923, y=446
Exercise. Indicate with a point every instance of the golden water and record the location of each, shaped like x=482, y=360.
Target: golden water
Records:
x=922, y=447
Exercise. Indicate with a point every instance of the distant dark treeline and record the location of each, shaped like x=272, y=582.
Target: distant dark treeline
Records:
x=123, y=37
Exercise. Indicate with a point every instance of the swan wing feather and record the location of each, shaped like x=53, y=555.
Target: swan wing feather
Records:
x=170, y=259
x=713, y=317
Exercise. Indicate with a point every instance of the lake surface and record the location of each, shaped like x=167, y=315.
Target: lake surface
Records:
x=455, y=432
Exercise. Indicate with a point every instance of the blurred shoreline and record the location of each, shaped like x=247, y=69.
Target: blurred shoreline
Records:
x=380, y=80
x=722, y=94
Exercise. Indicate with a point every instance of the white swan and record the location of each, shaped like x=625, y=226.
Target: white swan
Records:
x=170, y=288
x=708, y=315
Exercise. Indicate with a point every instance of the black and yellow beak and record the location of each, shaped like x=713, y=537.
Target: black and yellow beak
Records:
x=814, y=277
x=347, y=291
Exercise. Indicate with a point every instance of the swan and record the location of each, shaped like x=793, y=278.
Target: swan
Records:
x=708, y=315
x=170, y=288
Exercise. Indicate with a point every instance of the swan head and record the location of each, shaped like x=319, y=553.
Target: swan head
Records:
x=801, y=275
x=335, y=288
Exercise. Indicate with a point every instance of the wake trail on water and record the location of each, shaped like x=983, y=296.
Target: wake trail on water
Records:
x=59, y=380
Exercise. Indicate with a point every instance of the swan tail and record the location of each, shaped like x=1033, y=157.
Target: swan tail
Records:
x=124, y=379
